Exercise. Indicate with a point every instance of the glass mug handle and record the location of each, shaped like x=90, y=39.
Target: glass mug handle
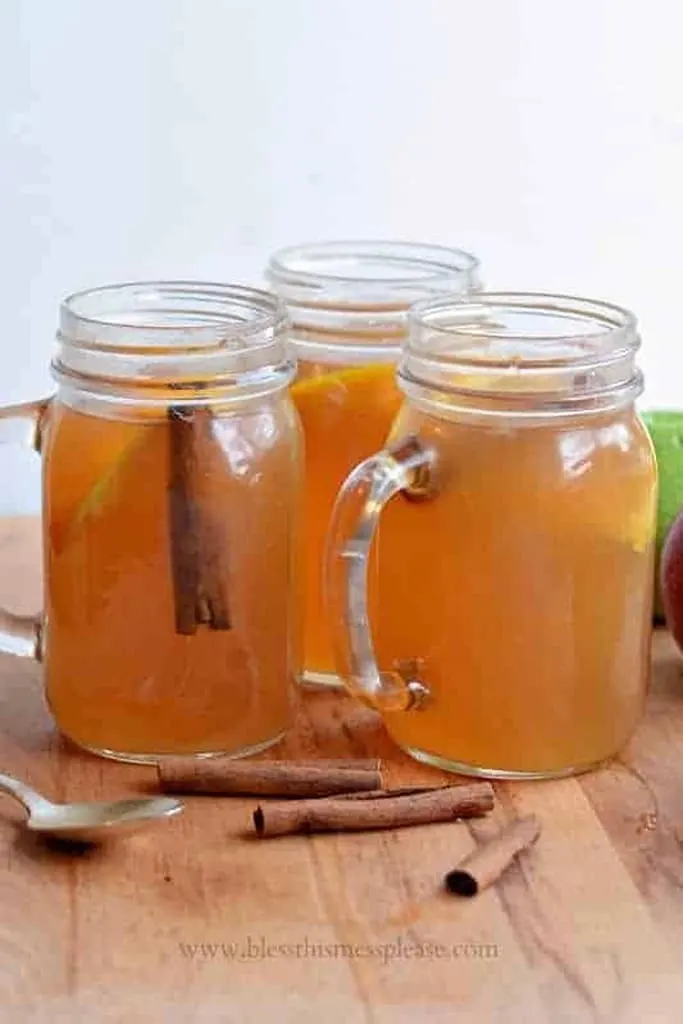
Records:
x=408, y=468
x=22, y=634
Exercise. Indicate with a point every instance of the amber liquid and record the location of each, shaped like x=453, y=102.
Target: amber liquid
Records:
x=347, y=413
x=120, y=680
x=523, y=591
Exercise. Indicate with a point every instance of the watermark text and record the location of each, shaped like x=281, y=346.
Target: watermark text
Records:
x=257, y=947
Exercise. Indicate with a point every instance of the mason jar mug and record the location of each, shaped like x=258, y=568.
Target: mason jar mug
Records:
x=348, y=303
x=505, y=628
x=171, y=487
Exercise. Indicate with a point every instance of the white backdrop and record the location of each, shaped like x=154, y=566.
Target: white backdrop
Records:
x=190, y=137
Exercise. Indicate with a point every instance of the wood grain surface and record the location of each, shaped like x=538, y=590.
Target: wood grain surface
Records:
x=199, y=922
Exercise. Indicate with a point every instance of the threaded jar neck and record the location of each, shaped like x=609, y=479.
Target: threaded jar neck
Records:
x=178, y=335
x=355, y=295
x=528, y=353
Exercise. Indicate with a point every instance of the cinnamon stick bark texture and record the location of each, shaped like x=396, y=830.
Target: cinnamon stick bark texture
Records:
x=184, y=528
x=487, y=864
x=269, y=778
x=379, y=811
x=198, y=559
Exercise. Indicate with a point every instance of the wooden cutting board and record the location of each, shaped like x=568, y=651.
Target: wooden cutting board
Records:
x=199, y=922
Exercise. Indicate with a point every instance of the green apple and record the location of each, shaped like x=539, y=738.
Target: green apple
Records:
x=665, y=427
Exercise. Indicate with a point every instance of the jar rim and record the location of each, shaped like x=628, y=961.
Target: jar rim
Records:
x=178, y=335
x=220, y=315
x=363, y=275
x=516, y=351
x=384, y=267
x=605, y=328
x=357, y=292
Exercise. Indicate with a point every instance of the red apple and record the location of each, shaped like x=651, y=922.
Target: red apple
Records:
x=671, y=579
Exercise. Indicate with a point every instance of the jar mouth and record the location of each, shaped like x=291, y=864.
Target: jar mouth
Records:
x=521, y=347
x=522, y=328
x=171, y=315
x=366, y=287
x=381, y=269
x=175, y=334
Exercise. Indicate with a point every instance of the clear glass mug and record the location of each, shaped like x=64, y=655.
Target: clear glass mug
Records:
x=172, y=482
x=512, y=588
x=348, y=303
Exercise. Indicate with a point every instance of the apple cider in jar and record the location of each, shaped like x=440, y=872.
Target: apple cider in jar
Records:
x=513, y=575
x=172, y=485
x=348, y=303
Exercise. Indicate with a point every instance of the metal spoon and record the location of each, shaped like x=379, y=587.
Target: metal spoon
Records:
x=88, y=822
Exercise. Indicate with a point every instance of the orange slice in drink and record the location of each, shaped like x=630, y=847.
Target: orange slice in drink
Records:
x=361, y=402
x=85, y=454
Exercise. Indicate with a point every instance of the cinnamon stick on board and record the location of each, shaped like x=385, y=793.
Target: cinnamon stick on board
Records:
x=269, y=778
x=381, y=810
x=489, y=861
x=198, y=558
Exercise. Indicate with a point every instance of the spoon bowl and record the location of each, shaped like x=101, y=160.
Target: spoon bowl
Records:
x=91, y=822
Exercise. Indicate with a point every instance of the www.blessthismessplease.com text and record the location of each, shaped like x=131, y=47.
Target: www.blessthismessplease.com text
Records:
x=259, y=948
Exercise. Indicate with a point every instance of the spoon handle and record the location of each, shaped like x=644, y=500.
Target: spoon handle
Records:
x=31, y=800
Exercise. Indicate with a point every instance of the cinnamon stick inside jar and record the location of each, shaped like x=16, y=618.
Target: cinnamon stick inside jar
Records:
x=374, y=810
x=198, y=558
x=489, y=861
x=270, y=778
